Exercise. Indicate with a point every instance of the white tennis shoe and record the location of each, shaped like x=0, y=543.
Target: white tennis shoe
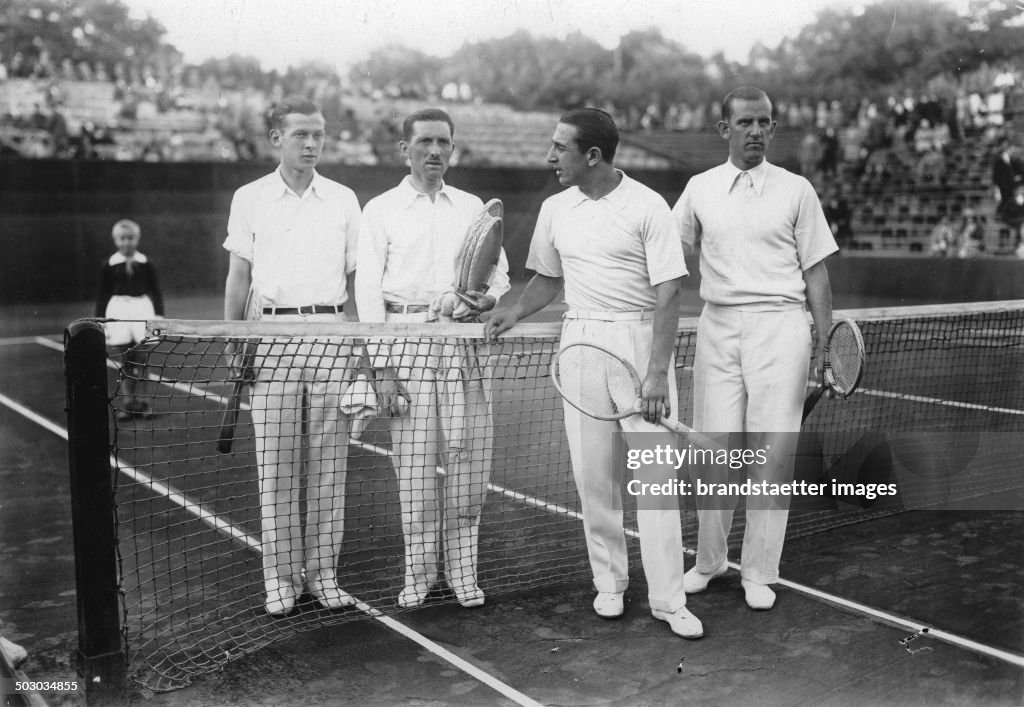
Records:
x=760, y=597
x=281, y=598
x=414, y=595
x=695, y=581
x=609, y=605
x=469, y=596
x=681, y=621
x=329, y=595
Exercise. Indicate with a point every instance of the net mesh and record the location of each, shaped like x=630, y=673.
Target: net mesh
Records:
x=845, y=357
x=940, y=411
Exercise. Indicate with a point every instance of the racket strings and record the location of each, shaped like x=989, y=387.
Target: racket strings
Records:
x=845, y=357
x=622, y=389
x=595, y=382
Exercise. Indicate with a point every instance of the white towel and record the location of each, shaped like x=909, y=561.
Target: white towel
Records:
x=359, y=403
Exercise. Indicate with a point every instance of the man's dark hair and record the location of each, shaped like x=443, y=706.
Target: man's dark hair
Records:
x=287, y=106
x=744, y=93
x=425, y=115
x=594, y=128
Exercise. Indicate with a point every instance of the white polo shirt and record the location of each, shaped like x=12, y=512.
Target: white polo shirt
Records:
x=409, y=247
x=301, y=248
x=754, y=246
x=611, y=251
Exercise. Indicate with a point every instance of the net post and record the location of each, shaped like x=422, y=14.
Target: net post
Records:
x=101, y=657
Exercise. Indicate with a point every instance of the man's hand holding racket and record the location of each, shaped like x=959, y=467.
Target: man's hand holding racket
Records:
x=392, y=397
x=842, y=364
x=655, y=402
x=599, y=383
x=461, y=306
x=473, y=303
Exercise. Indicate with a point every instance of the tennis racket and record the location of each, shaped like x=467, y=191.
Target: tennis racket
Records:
x=245, y=376
x=480, y=251
x=843, y=365
x=233, y=405
x=602, y=385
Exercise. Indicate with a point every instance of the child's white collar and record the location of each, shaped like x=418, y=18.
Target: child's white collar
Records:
x=117, y=258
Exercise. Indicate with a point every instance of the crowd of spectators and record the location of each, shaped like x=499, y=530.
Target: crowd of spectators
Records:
x=165, y=110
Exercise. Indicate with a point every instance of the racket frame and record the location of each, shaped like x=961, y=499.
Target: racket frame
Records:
x=679, y=428
x=233, y=404
x=828, y=380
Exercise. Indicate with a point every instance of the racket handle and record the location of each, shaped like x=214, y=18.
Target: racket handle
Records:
x=229, y=418
x=699, y=439
x=465, y=298
x=812, y=400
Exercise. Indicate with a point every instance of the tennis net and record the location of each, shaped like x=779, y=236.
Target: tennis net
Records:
x=940, y=413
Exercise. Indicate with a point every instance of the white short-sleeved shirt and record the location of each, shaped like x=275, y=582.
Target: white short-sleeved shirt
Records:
x=754, y=246
x=302, y=249
x=611, y=251
x=409, y=247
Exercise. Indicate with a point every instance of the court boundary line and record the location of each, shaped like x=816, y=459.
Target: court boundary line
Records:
x=878, y=614
x=217, y=523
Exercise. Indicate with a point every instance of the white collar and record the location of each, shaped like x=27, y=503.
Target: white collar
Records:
x=617, y=197
x=758, y=175
x=410, y=193
x=117, y=258
x=278, y=187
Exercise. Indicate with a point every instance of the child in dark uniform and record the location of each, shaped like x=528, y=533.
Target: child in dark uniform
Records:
x=128, y=291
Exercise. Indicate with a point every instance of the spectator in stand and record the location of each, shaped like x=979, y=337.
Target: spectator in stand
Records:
x=810, y=154
x=829, y=152
x=931, y=168
x=972, y=235
x=1007, y=173
x=837, y=213
x=1013, y=216
x=942, y=239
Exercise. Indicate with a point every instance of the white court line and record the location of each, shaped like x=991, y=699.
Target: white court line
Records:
x=938, y=401
x=885, y=617
x=22, y=340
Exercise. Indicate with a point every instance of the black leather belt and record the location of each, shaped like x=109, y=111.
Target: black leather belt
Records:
x=406, y=308
x=306, y=309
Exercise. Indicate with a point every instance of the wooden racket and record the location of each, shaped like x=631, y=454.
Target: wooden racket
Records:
x=600, y=384
x=480, y=251
x=244, y=375
x=233, y=405
x=843, y=364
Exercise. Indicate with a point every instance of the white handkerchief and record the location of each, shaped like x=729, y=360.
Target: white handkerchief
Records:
x=359, y=402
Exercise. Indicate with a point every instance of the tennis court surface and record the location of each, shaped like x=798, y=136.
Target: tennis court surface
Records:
x=941, y=414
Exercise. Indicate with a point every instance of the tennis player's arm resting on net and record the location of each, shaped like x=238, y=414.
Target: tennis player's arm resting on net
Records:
x=540, y=291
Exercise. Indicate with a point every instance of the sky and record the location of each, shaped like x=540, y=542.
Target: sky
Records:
x=341, y=32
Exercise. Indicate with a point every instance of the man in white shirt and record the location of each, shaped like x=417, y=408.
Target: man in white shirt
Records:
x=293, y=236
x=611, y=241
x=409, y=244
x=764, y=242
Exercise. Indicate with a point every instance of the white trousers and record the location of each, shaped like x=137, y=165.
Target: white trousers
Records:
x=295, y=409
x=750, y=376
x=598, y=469
x=449, y=423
